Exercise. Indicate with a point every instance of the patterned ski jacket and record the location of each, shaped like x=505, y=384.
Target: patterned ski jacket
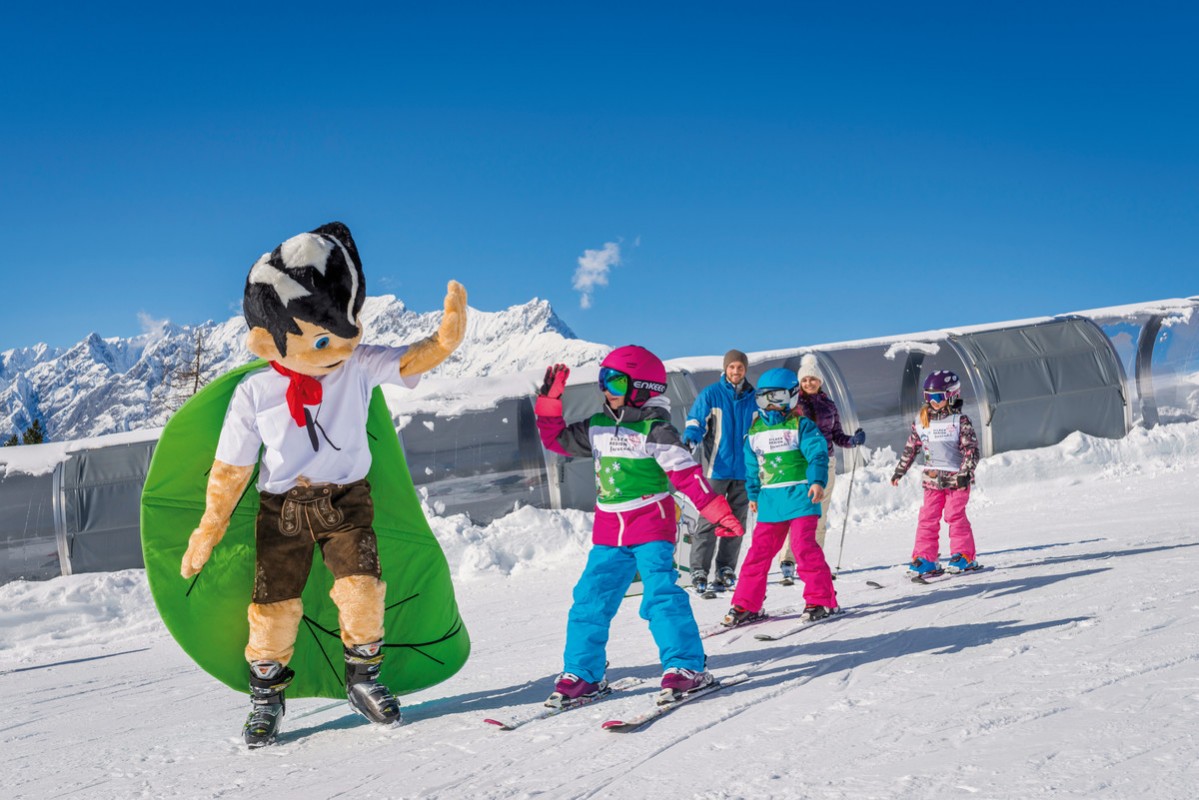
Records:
x=720, y=417
x=782, y=460
x=821, y=409
x=638, y=458
x=950, y=447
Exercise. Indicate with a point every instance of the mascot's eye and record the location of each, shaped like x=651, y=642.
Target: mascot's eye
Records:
x=321, y=343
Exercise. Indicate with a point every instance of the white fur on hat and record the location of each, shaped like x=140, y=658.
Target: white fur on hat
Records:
x=809, y=368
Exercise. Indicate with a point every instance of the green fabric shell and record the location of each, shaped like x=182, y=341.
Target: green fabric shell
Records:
x=426, y=641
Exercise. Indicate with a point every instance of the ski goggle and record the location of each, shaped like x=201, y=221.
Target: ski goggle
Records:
x=936, y=397
x=774, y=397
x=614, y=382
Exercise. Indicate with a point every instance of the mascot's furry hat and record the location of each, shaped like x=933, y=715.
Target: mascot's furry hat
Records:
x=315, y=277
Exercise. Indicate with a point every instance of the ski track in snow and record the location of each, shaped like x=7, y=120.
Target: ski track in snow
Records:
x=1071, y=669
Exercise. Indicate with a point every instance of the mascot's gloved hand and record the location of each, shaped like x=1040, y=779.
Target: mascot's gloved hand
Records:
x=720, y=514
x=199, y=548
x=226, y=484
x=549, y=397
x=691, y=436
x=428, y=353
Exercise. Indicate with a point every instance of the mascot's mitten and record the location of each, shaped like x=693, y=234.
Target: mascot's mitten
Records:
x=428, y=353
x=226, y=483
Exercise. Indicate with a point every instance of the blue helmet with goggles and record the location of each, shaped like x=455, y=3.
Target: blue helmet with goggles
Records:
x=777, y=388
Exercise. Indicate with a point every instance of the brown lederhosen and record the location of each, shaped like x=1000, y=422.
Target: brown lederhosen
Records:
x=337, y=517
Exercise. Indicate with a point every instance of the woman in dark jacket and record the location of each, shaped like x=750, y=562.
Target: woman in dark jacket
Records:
x=817, y=406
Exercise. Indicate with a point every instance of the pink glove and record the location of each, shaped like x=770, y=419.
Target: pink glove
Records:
x=721, y=515
x=549, y=398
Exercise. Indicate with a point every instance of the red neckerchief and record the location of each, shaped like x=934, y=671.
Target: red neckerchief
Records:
x=302, y=390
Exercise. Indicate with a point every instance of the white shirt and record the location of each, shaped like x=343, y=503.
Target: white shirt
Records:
x=258, y=418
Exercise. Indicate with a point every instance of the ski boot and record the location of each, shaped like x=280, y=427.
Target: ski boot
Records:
x=699, y=583
x=788, y=570
x=924, y=568
x=571, y=687
x=812, y=613
x=268, y=679
x=678, y=681
x=739, y=616
x=959, y=563
x=367, y=696
x=726, y=578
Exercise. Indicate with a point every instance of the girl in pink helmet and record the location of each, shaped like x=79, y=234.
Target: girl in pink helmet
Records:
x=638, y=457
x=950, y=447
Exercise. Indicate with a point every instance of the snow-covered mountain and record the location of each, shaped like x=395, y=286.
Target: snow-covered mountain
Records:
x=102, y=386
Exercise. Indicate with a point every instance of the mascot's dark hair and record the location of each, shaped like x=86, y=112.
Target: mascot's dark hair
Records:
x=278, y=293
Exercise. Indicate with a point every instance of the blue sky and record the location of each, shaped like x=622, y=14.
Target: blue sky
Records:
x=773, y=174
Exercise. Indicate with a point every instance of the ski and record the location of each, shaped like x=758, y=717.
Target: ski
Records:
x=720, y=627
x=766, y=636
x=938, y=577
x=659, y=709
x=874, y=584
x=545, y=712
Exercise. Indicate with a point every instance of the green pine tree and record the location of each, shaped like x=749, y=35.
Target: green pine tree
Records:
x=35, y=434
x=12, y=441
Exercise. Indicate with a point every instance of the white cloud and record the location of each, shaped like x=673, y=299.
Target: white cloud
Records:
x=593, y=269
x=151, y=326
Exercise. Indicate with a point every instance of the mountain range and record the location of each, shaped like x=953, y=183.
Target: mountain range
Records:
x=110, y=385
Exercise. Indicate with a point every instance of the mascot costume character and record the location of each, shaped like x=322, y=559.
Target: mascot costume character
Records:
x=312, y=424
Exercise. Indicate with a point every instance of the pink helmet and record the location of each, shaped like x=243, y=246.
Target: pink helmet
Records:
x=646, y=374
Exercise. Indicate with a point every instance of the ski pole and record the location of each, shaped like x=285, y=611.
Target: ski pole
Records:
x=845, y=521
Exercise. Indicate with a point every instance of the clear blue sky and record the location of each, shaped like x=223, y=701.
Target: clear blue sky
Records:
x=774, y=173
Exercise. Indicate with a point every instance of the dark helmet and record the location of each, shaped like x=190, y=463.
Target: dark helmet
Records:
x=943, y=382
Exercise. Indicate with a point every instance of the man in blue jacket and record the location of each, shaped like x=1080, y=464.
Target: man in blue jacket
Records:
x=720, y=418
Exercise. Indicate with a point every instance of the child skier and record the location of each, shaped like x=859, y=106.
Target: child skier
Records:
x=786, y=467
x=950, y=448
x=638, y=456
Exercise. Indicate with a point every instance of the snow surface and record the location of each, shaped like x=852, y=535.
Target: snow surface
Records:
x=1069, y=670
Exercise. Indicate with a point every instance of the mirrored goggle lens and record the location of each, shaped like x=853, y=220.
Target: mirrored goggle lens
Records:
x=613, y=382
x=774, y=397
x=936, y=397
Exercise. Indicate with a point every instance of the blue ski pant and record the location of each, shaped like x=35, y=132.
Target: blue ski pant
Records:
x=597, y=595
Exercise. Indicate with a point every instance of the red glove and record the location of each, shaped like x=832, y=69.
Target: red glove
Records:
x=721, y=515
x=549, y=397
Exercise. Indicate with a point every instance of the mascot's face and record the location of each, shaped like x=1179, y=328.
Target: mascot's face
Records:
x=302, y=301
x=314, y=351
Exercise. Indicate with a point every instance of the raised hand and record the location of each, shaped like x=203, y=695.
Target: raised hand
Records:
x=549, y=396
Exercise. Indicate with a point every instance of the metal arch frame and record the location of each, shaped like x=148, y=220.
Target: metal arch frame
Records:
x=1144, y=369
x=60, y=518
x=982, y=395
x=1115, y=358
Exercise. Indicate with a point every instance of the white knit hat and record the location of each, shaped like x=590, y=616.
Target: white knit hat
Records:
x=809, y=368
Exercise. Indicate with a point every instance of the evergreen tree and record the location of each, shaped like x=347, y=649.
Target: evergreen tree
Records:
x=12, y=441
x=35, y=434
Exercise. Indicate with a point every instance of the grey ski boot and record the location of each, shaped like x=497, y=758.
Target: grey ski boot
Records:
x=268, y=679
x=367, y=696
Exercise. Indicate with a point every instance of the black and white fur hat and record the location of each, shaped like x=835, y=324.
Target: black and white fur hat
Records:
x=316, y=277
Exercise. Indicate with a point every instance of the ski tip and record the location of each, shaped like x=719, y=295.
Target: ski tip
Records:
x=613, y=724
x=501, y=725
x=874, y=584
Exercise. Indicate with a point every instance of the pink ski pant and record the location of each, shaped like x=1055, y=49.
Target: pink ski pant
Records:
x=810, y=565
x=951, y=503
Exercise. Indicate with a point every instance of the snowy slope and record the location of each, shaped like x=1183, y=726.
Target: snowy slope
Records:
x=1069, y=670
